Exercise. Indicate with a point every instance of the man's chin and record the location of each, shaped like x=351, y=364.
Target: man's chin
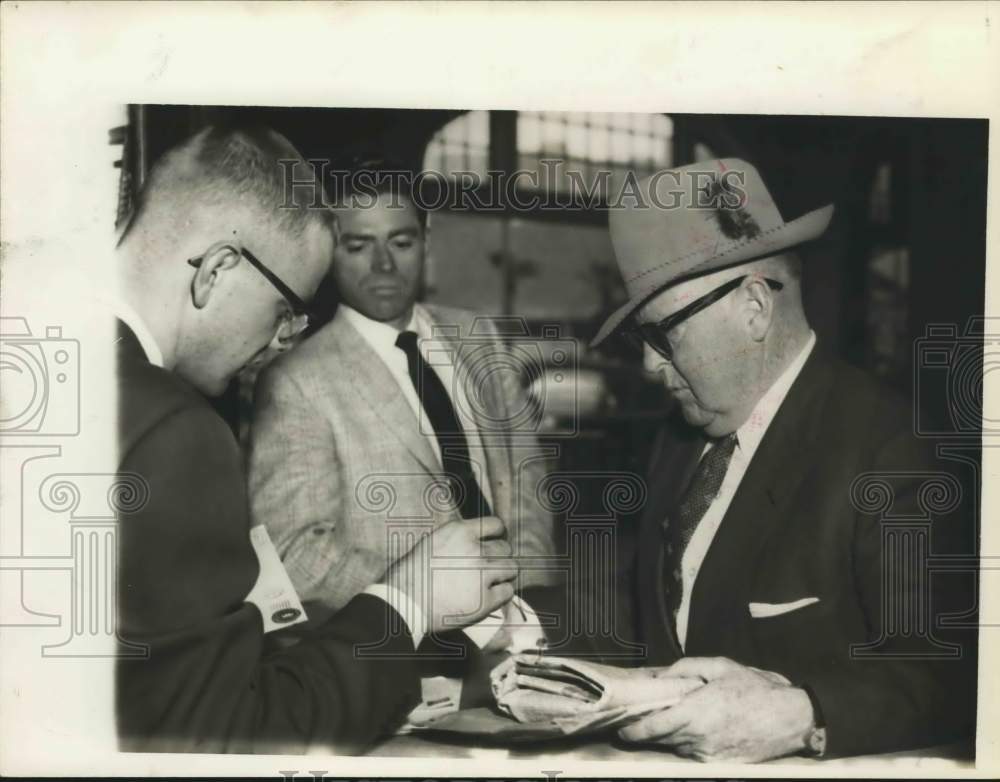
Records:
x=696, y=416
x=206, y=386
x=211, y=387
x=385, y=311
x=216, y=389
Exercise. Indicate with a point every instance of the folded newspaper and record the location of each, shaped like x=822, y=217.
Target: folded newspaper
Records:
x=541, y=697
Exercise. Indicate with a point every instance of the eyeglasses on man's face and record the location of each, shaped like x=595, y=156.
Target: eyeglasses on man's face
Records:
x=656, y=335
x=296, y=318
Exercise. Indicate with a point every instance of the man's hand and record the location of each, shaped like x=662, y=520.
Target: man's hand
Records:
x=741, y=714
x=470, y=567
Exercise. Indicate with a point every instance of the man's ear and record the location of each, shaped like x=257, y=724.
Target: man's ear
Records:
x=220, y=257
x=760, y=305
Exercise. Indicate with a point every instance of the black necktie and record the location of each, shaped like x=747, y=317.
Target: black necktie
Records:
x=447, y=429
x=684, y=519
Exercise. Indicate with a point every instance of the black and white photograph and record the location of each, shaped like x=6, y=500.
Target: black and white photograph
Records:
x=638, y=433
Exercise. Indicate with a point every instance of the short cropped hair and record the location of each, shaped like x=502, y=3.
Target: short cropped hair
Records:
x=248, y=165
x=366, y=178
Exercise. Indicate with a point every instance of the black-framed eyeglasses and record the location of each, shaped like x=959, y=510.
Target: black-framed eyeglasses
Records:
x=298, y=307
x=655, y=334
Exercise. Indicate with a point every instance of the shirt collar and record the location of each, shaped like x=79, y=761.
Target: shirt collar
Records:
x=752, y=432
x=127, y=315
x=380, y=336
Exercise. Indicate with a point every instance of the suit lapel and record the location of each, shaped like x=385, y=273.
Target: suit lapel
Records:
x=127, y=343
x=374, y=384
x=721, y=590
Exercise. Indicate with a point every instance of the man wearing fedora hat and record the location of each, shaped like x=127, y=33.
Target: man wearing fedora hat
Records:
x=755, y=571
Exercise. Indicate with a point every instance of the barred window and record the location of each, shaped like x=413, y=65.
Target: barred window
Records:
x=555, y=148
x=590, y=142
x=461, y=145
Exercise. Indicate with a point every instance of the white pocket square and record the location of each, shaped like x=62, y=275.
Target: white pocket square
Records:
x=764, y=610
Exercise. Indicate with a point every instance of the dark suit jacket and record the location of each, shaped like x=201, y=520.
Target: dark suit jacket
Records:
x=210, y=682
x=792, y=532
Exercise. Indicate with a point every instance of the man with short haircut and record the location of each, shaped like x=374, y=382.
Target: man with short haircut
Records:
x=213, y=277
x=758, y=568
x=423, y=397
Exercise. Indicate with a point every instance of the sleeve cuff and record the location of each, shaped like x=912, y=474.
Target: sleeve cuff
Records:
x=405, y=607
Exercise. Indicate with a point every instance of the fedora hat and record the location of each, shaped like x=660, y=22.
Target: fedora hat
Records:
x=686, y=222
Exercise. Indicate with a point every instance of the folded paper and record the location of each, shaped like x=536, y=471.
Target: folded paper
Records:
x=577, y=695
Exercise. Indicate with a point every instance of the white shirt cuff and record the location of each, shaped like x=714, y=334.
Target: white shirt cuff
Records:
x=405, y=607
x=524, y=627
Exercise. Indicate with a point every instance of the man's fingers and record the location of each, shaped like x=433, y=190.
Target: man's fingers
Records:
x=499, y=594
x=707, y=668
x=489, y=527
x=496, y=548
x=500, y=570
x=772, y=676
x=500, y=641
x=504, y=567
x=655, y=726
x=685, y=747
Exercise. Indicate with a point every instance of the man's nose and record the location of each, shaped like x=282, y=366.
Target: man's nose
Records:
x=382, y=260
x=653, y=361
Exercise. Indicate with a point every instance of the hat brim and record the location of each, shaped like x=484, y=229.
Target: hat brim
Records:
x=803, y=229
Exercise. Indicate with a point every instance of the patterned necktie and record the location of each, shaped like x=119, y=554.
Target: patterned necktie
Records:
x=684, y=520
x=447, y=429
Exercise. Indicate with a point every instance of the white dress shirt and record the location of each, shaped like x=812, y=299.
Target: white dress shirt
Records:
x=748, y=437
x=127, y=315
x=382, y=339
